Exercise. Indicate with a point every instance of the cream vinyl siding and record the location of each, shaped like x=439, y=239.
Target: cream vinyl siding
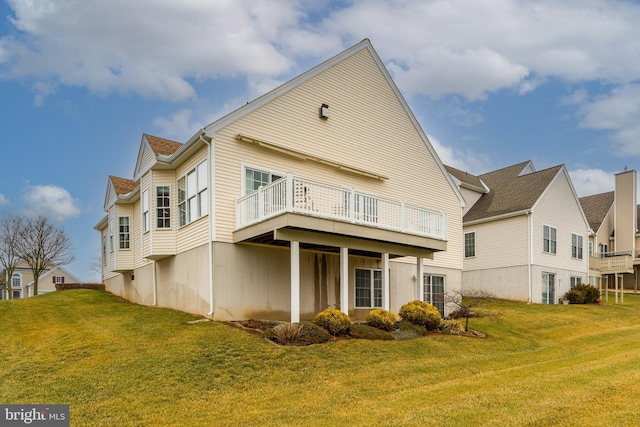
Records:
x=195, y=233
x=145, y=185
x=146, y=159
x=499, y=244
x=124, y=256
x=558, y=208
x=164, y=240
x=603, y=234
x=470, y=197
x=111, y=197
x=368, y=128
x=106, y=269
x=136, y=227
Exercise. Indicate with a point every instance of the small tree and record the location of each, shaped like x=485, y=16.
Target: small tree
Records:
x=10, y=235
x=469, y=303
x=43, y=246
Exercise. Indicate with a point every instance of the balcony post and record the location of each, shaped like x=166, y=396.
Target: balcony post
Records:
x=260, y=203
x=420, y=278
x=295, y=282
x=344, y=280
x=403, y=226
x=352, y=205
x=385, y=281
x=289, y=193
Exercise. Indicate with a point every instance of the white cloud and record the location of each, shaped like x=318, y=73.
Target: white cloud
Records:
x=50, y=201
x=3, y=200
x=578, y=97
x=618, y=113
x=467, y=161
x=592, y=181
x=435, y=48
x=460, y=115
x=147, y=47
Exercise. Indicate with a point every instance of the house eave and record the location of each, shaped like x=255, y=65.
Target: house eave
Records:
x=497, y=217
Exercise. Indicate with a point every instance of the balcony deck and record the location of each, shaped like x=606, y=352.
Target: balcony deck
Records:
x=339, y=211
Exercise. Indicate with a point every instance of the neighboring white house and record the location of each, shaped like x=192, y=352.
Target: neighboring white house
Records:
x=21, y=283
x=324, y=192
x=525, y=233
x=614, y=238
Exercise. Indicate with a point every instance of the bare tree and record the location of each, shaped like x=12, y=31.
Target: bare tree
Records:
x=469, y=303
x=43, y=246
x=10, y=234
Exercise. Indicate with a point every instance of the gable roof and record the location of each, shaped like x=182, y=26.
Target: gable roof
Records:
x=467, y=180
x=511, y=190
x=596, y=207
x=70, y=277
x=122, y=185
x=162, y=146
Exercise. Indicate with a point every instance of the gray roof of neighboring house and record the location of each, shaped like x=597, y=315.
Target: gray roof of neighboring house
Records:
x=468, y=180
x=510, y=192
x=595, y=208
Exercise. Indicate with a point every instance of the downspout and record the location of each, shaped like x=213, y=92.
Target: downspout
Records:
x=210, y=239
x=530, y=253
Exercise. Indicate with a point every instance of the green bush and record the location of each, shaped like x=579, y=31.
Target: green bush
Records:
x=334, y=321
x=310, y=333
x=421, y=313
x=381, y=319
x=451, y=327
x=408, y=331
x=367, y=332
x=583, y=294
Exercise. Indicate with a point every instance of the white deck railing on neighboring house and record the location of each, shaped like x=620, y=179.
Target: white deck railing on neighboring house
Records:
x=304, y=196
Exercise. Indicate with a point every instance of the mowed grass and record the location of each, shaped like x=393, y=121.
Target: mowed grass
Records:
x=122, y=364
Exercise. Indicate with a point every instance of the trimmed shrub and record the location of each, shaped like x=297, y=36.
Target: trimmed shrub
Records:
x=583, y=294
x=421, y=313
x=381, y=319
x=310, y=333
x=285, y=333
x=367, y=332
x=408, y=331
x=451, y=327
x=334, y=321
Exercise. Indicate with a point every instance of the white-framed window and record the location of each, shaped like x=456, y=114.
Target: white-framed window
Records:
x=163, y=206
x=604, y=250
x=111, y=227
x=590, y=248
x=549, y=239
x=104, y=250
x=193, y=196
x=58, y=280
x=575, y=280
x=470, y=244
x=16, y=281
x=255, y=178
x=368, y=288
x=433, y=291
x=576, y=246
x=548, y=288
x=124, y=233
x=145, y=211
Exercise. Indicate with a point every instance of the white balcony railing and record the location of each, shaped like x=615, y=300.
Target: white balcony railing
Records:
x=299, y=195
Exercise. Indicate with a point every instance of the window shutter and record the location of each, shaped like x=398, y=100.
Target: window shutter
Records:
x=53, y=278
x=62, y=280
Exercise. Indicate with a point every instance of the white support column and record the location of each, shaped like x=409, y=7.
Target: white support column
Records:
x=295, y=282
x=385, y=282
x=420, y=278
x=344, y=280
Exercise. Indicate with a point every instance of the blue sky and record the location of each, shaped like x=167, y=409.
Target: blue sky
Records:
x=492, y=82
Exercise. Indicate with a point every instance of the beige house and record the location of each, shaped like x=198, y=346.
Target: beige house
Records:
x=21, y=282
x=324, y=192
x=524, y=233
x=613, y=237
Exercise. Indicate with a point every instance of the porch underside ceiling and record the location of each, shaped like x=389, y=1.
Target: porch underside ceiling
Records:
x=329, y=236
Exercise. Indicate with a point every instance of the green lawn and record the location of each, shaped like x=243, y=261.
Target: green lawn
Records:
x=121, y=364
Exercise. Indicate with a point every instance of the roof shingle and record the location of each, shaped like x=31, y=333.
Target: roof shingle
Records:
x=123, y=185
x=595, y=208
x=511, y=192
x=161, y=146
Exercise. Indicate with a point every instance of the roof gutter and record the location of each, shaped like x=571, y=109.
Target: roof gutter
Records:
x=498, y=217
